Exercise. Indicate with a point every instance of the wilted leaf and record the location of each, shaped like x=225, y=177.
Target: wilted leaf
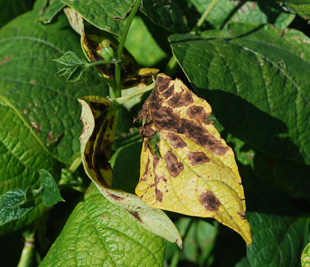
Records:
x=196, y=173
x=99, y=233
x=99, y=119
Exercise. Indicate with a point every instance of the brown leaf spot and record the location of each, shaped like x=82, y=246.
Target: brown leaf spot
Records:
x=162, y=83
x=176, y=141
x=181, y=99
x=242, y=216
x=169, y=92
x=198, y=158
x=173, y=165
x=136, y=215
x=6, y=59
x=209, y=201
x=198, y=113
x=146, y=130
x=116, y=198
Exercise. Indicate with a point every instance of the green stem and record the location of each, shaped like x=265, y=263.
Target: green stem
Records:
x=27, y=256
x=101, y=62
x=75, y=164
x=172, y=66
x=122, y=100
x=205, y=14
x=117, y=86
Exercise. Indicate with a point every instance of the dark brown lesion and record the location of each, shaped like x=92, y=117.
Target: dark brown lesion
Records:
x=209, y=201
x=162, y=82
x=181, y=99
x=176, y=141
x=115, y=197
x=241, y=215
x=198, y=158
x=198, y=113
x=136, y=215
x=169, y=92
x=173, y=165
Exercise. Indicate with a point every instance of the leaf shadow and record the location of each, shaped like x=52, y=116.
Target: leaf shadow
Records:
x=255, y=127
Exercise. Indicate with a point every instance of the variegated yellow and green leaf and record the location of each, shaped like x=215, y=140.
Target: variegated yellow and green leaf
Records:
x=99, y=117
x=193, y=171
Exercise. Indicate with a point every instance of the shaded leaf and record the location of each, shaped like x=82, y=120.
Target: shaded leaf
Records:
x=50, y=194
x=255, y=77
x=196, y=173
x=104, y=234
x=99, y=120
x=279, y=232
x=168, y=15
x=104, y=14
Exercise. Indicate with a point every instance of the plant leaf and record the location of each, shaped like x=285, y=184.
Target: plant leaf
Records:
x=257, y=78
x=305, y=257
x=104, y=14
x=196, y=173
x=39, y=113
x=301, y=7
x=105, y=235
x=99, y=120
x=168, y=15
x=226, y=11
x=50, y=194
x=70, y=59
x=279, y=231
x=52, y=7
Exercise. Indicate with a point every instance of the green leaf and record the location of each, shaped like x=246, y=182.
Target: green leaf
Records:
x=99, y=119
x=50, y=194
x=305, y=257
x=255, y=82
x=168, y=15
x=278, y=230
x=105, y=14
x=70, y=59
x=301, y=7
x=244, y=262
x=142, y=45
x=99, y=233
x=11, y=206
x=40, y=114
x=50, y=10
x=226, y=11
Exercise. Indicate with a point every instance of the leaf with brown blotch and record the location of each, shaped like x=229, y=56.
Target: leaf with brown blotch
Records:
x=195, y=172
x=99, y=117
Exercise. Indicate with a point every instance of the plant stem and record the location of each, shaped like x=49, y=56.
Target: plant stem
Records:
x=171, y=67
x=101, y=62
x=27, y=256
x=205, y=14
x=117, y=86
x=75, y=164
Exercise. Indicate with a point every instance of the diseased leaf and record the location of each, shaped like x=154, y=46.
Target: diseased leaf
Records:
x=49, y=11
x=301, y=7
x=99, y=119
x=196, y=173
x=99, y=233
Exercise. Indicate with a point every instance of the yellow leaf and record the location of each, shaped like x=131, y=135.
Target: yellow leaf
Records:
x=195, y=172
x=99, y=117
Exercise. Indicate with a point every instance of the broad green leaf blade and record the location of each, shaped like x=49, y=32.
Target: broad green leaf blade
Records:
x=193, y=172
x=50, y=10
x=50, y=194
x=255, y=80
x=99, y=120
x=40, y=113
x=105, y=14
x=226, y=11
x=279, y=232
x=305, y=257
x=11, y=208
x=168, y=15
x=301, y=7
x=99, y=233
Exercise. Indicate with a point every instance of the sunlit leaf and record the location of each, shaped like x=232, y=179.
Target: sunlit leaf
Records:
x=99, y=118
x=195, y=172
